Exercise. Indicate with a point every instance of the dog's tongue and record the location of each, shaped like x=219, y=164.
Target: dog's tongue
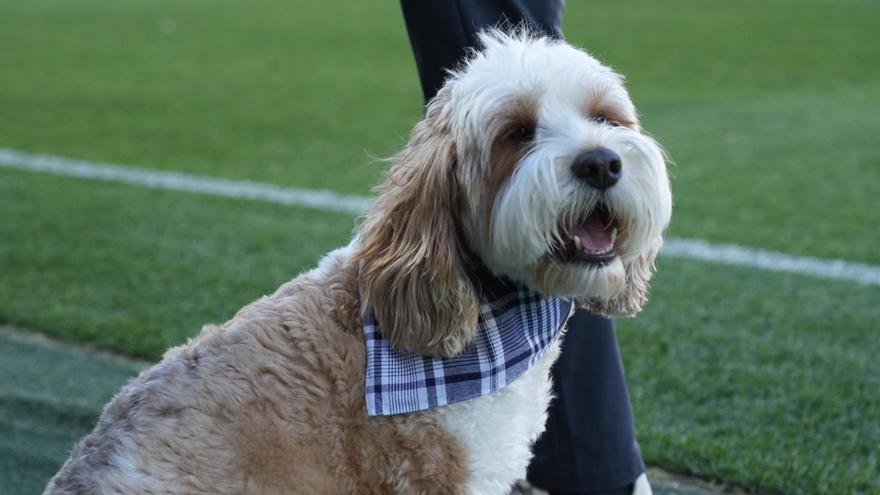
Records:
x=593, y=234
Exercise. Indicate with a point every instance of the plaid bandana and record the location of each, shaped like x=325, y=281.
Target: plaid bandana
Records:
x=514, y=329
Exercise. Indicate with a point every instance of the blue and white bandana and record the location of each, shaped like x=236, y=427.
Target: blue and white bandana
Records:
x=514, y=329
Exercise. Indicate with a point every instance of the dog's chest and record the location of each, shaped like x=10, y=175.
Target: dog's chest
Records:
x=498, y=429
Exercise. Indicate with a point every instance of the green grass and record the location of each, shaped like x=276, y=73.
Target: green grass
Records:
x=754, y=100
x=769, y=381
x=794, y=172
x=764, y=380
x=277, y=91
x=49, y=398
x=137, y=270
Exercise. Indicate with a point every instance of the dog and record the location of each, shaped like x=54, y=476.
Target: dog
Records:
x=530, y=163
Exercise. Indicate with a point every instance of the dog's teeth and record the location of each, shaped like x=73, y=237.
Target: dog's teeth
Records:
x=577, y=243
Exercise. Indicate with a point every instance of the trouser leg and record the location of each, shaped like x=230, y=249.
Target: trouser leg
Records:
x=590, y=443
x=441, y=31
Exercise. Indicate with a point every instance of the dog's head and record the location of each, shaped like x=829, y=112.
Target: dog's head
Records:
x=531, y=161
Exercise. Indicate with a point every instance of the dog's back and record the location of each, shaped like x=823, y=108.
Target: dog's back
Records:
x=270, y=402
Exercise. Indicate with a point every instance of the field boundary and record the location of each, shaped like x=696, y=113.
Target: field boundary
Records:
x=181, y=181
x=696, y=249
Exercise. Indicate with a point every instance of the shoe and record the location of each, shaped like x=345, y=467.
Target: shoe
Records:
x=523, y=487
x=641, y=486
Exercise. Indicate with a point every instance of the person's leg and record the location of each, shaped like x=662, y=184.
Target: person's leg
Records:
x=589, y=444
x=440, y=31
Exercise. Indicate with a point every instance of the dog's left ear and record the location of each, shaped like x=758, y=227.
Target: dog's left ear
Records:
x=632, y=299
x=411, y=257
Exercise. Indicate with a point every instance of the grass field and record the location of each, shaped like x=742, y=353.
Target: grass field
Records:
x=768, y=109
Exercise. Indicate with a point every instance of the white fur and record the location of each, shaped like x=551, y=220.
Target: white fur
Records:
x=560, y=84
x=542, y=191
x=498, y=429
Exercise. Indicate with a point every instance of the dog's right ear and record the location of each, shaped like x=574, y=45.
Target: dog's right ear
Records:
x=411, y=257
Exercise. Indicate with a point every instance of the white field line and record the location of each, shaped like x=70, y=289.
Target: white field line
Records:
x=179, y=181
x=774, y=261
x=729, y=254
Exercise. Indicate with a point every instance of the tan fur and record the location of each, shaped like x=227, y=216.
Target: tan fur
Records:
x=269, y=402
x=599, y=108
x=411, y=256
x=504, y=154
x=634, y=295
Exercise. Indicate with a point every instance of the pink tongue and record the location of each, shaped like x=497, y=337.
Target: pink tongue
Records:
x=593, y=234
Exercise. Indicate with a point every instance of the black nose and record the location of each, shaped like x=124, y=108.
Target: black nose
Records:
x=599, y=167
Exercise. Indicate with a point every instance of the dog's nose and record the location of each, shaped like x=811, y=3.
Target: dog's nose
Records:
x=599, y=167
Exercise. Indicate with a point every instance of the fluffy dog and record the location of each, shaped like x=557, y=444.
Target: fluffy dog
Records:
x=529, y=162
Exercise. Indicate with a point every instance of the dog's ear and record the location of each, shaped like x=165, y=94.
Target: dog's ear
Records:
x=632, y=299
x=412, y=273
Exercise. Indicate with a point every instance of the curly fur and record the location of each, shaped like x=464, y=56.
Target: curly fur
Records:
x=412, y=259
x=272, y=401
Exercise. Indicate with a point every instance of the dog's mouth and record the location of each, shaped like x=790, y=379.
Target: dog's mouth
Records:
x=590, y=241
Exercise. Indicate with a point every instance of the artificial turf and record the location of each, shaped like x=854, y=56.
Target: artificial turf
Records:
x=765, y=380
x=763, y=106
x=768, y=381
x=49, y=397
x=137, y=270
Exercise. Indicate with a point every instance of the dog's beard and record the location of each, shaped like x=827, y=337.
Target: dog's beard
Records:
x=544, y=226
x=577, y=280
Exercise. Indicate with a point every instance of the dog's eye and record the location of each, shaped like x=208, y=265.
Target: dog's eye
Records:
x=604, y=120
x=522, y=133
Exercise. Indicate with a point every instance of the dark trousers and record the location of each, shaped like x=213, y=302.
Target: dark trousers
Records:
x=589, y=444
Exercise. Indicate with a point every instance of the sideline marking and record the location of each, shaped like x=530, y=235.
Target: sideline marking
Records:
x=698, y=249
x=180, y=181
x=774, y=261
